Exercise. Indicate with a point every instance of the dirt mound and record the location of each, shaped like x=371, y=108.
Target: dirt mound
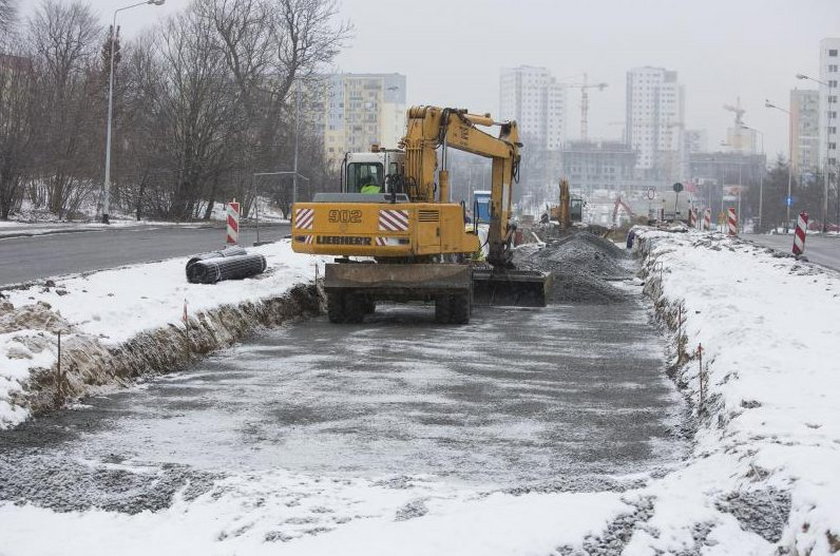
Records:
x=39, y=316
x=582, y=266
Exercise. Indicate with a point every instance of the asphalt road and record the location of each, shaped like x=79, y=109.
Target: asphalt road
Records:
x=823, y=250
x=569, y=397
x=23, y=259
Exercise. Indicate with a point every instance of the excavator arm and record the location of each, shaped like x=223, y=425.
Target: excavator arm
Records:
x=430, y=128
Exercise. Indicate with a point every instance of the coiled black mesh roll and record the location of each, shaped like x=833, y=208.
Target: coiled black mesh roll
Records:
x=210, y=271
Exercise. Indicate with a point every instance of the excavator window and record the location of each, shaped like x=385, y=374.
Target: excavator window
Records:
x=361, y=174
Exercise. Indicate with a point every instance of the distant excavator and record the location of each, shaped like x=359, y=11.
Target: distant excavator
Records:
x=570, y=209
x=621, y=204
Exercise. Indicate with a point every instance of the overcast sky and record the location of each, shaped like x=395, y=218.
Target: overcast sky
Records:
x=451, y=50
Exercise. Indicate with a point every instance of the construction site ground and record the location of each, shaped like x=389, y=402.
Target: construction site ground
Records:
x=572, y=398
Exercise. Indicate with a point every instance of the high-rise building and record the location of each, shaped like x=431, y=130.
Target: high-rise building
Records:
x=829, y=74
x=654, y=123
x=804, y=129
x=696, y=140
x=606, y=165
x=363, y=109
x=532, y=97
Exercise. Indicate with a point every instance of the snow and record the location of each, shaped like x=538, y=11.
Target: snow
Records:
x=114, y=305
x=301, y=515
x=769, y=337
x=770, y=432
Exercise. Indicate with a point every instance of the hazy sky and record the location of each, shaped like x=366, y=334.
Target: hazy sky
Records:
x=451, y=50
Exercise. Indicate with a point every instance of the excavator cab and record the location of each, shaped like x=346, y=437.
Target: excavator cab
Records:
x=368, y=170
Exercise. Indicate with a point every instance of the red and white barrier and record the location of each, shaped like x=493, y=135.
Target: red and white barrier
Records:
x=799, y=234
x=732, y=221
x=233, y=223
x=707, y=220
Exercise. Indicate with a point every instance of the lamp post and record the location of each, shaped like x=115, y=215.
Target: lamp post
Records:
x=106, y=198
x=827, y=135
x=768, y=104
x=760, y=178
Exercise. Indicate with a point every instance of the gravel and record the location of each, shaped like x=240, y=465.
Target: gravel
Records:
x=618, y=533
x=66, y=485
x=582, y=266
x=765, y=512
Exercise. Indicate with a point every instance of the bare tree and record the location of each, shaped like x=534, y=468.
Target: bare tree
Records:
x=8, y=15
x=200, y=107
x=17, y=117
x=65, y=39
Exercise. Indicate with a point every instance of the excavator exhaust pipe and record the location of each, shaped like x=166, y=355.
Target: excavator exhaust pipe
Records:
x=517, y=288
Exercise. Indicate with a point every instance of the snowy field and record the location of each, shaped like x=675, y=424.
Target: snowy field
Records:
x=762, y=476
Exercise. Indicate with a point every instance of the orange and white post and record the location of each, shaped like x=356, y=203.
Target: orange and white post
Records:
x=732, y=221
x=799, y=234
x=232, y=223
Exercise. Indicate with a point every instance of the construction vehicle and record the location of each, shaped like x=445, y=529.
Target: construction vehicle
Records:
x=570, y=209
x=416, y=237
x=621, y=204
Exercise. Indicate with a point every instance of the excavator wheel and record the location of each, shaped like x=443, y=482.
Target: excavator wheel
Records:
x=443, y=309
x=460, y=309
x=335, y=307
x=354, y=308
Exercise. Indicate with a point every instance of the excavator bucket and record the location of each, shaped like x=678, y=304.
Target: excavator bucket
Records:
x=518, y=288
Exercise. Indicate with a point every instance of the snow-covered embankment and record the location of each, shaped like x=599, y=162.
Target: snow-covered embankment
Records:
x=765, y=472
x=123, y=323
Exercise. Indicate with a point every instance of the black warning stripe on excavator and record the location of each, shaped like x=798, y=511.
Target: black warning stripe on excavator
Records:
x=343, y=240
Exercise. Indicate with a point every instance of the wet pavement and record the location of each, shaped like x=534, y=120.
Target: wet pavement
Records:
x=569, y=394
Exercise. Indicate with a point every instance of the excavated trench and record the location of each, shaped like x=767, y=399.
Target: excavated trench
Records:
x=572, y=397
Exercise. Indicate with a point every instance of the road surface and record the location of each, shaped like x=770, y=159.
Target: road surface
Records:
x=569, y=397
x=823, y=250
x=40, y=256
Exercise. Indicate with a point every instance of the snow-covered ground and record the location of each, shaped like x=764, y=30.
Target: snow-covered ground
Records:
x=115, y=305
x=768, y=440
x=764, y=473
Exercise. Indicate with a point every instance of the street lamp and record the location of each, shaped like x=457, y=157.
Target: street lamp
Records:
x=106, y=200
x=760, y=178
x=768, y=104
x=827, y=135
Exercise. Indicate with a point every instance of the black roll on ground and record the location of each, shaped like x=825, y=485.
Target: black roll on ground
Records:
x=230, y=251
x=210, y=271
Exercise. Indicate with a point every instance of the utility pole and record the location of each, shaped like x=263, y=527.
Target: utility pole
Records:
x=297, y=135
x=106, y=188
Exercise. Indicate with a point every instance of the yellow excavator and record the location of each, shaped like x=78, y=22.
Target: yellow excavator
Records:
x=394, y=211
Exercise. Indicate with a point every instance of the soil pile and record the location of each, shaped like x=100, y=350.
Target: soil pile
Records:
x=582, y=266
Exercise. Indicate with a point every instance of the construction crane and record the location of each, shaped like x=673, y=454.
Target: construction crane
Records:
x=739, y=112
x=739, y=123
x=584, y=86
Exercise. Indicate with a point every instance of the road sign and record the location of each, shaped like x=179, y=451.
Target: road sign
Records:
x=789, y=201
x=678, y=187
x=651, y=194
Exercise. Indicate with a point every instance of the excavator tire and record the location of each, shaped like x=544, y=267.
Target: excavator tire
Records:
x=335, y=307
x=354, y=308
x=443, y=309
x=460, y=309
